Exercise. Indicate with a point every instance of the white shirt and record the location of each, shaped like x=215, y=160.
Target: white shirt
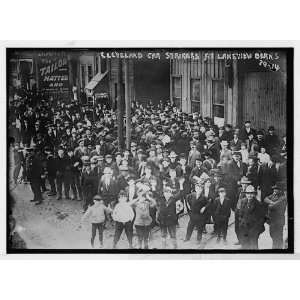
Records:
x=264, y=158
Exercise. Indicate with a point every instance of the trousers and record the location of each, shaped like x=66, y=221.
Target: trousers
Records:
x=190, y=228
x=221, y=227
x=276, y=233
x=128, y=227
x=143, y=234
x=100, y=228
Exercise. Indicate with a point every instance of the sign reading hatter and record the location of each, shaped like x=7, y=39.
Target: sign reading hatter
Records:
x=53, y=72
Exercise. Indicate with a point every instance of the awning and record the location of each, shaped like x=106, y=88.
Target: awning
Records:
x=95, y=81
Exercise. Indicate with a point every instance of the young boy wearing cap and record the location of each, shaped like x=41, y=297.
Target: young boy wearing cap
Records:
x=167, y=217
x=222, y=214
x=95, y=214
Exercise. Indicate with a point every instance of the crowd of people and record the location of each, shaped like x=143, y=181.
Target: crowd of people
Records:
x=177, y=163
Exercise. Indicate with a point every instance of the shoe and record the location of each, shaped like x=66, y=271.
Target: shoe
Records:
x=52, y=194
x=33, y=200
x=58, y=198
x=39, y=202
x=67, y=198
x=74, y=198
x=186, y=240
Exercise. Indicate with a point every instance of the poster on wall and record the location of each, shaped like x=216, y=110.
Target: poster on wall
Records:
x=54, y=73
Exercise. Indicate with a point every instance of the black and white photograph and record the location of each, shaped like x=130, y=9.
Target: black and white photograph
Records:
x=150, y=150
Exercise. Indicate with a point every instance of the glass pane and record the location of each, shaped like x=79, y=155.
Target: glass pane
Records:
x=218, y=111
x=195, y=89
x=97, y=64
x=195, y=106
x=90, y=73
x=103, y=65
x=176, y=87
x=218, y=92
x=82, y=76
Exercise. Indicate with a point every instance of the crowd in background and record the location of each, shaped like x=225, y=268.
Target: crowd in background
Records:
x=177, y=163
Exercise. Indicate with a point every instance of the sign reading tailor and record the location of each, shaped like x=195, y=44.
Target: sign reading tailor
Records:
x=53, y=72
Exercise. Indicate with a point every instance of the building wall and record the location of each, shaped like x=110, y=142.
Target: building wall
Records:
x=207, y=71
x=250, y=91
x=113, y=67
x=263, y=99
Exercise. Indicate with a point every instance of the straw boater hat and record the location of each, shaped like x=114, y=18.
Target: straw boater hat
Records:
x=245, y=180
x=107, y=170
x=224, y=142
x=173, y=154
x=250, y=189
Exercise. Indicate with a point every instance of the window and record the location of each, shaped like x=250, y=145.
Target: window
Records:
x=218, y=102
x=195, y=95
x=82, y=68
x=176, y=91
x=13, y=66
x=103, y=65
x=90, y=72
x=97, y=64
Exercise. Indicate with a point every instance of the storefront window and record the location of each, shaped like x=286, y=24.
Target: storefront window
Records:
x=97, y=64
x=82, y=68
x=90, y=73
x=176, y=91
x=218, y=102
x=103, y=65
x=195, y=95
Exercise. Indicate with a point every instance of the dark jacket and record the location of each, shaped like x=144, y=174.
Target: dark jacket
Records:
x=222, y=211
x=167, y=209
x=251, y=218
x=196, y=204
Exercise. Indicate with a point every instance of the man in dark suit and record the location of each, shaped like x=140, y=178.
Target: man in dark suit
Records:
x=199, y=210
x=246, y=131
x=235, y=170
x=167, y=216
x=277, y=203
x=222, y=214
x=272, y=141
x=60, y=173
x=251, y=220
x=35, y=174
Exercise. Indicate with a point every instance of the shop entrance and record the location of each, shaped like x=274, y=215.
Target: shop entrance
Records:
x=152, y=81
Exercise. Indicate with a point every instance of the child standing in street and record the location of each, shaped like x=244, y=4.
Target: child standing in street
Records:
x=95, y=214
x=123, y=215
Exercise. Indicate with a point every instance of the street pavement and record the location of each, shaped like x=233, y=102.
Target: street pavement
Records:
x=55, y=225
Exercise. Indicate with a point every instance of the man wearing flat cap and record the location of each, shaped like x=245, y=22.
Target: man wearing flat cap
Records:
x=277, y=203
x=251, y=220
x=222, y=211
x=272, y=142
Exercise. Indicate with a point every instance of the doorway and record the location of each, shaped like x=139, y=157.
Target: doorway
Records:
x=152, y=81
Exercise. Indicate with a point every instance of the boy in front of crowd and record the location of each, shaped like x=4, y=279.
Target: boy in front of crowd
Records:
x=95, y=214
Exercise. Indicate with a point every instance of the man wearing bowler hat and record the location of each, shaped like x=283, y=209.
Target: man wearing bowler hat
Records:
x=277, y=203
